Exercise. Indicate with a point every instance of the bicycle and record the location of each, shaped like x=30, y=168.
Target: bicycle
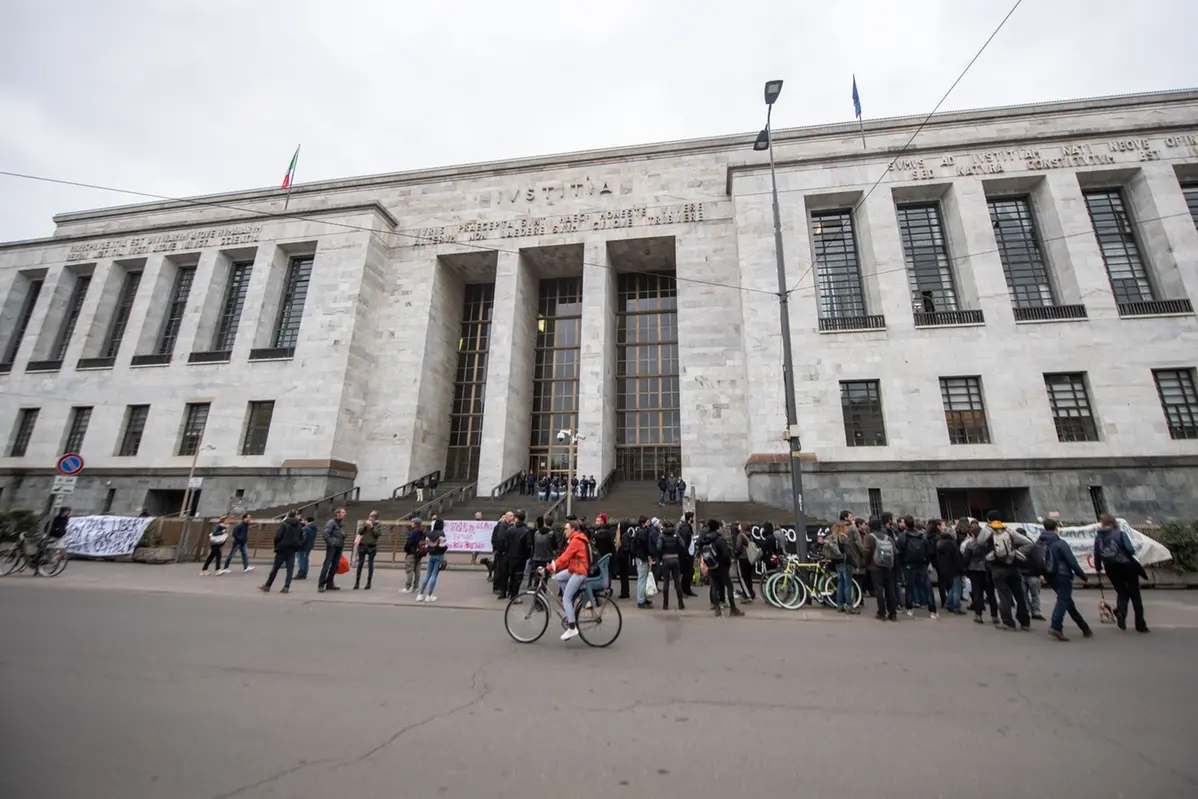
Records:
x=601, y=618
x=790, y=588
x=47, y=557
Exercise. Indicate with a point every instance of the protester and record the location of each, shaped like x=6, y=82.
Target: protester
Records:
x=436, y=553
x=915, y=553
x=241, y=536
x=948, y=565
x=289, y=539
x=837, y=550
x=1061, y=565
x=334, y=544
x=499, y=577
x=973, y=554
x=641, y=553
x=515, y=554
x=1115, y=554
x=686, y=534
x=1031, y=583
x=717, y=558
x=740, y=550
x=670, y=551
x=415, y=547
x=881, y=559
x=623, y=559
x=1005, y=549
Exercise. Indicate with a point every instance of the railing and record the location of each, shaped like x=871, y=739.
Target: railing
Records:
x=604, y=487
x=842, y=323
x=95, y=363
x=216, y=356
x=507, y=485
x=272, y=353
x=410, y=486
x=162, y=359
x=1155, y=308
x=552, y=509
x=1050, y=313
x=445, y=501
x=939, y=318
x=331, y=499
x=43, y=366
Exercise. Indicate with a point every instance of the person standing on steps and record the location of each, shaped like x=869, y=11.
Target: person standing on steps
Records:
x=433, y=484
x=415, y=547
x=216, y=540
x=305, y=552
x=1115, y=554
x=436, y=554
x=368, y=544
x=419, y=486
x=241, y=535
x=334, y=544
x=289, y=539
x=1060, y=566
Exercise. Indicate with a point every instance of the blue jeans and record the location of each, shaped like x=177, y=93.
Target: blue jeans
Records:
x=245, y=558
x=919, y=588
x=844, y=585
x=570, y=584
x=1063, y=585
x=430, y=576
x=301, y=558
x=642, y=577
x=953, y=599
x=662, y=499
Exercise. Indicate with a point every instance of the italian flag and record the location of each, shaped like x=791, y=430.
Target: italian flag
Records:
x=290, y=176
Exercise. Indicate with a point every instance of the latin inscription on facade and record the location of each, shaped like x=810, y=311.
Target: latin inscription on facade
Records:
x=1036, y=159
x=178, y=241
x=547, y=225
x=552, y=191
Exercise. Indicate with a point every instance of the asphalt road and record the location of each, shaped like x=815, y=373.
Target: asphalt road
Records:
x=114, y=693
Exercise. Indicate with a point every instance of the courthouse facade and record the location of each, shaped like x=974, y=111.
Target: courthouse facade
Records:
x=1004, y=320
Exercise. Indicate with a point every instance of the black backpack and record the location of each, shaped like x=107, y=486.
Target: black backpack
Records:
x=917, y=548
x=1040, y=559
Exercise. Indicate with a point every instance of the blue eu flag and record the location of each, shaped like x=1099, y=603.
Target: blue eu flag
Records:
x=856, y=98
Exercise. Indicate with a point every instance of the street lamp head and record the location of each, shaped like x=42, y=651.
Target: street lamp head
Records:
x=772, y=89
x=763, y=141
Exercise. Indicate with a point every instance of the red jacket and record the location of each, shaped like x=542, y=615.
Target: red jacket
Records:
x=575, y=558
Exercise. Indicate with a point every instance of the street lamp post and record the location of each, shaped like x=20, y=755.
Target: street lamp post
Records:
x=183, y=511
x=573, y=438
x=765, y=141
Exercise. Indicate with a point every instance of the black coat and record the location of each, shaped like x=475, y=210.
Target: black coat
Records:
x=499, y=538
x=516, y=548
x=949, y=563
x=290, y=536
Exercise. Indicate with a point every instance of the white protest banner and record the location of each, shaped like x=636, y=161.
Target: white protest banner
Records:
x=468, y=536
x=104, y=536
x=1081, y=541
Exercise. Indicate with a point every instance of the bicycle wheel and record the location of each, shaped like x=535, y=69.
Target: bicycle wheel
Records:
x=767, y=589
x=601, y=625
x=790, y=592
x=53, y=563
x=14, y=561
x=826, y=587
x=527, y=620
x=857, y=596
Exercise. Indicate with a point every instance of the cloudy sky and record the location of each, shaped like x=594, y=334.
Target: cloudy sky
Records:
x=184, y=97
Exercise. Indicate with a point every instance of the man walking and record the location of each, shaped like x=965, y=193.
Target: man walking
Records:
x=305, y=551
x=241, y=535
x=289, y=538
x=334, y=543
x=1061, y=566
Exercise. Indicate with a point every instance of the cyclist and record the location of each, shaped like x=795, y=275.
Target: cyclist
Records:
x=570, y=570
x=56, y=528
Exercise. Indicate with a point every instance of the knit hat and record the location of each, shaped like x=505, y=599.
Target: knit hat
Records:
x=875, y=525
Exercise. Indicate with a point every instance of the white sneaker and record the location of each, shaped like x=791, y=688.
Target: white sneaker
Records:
x=420, y=597
x=223, y=571
x=911, y=613
x=571, y=632
x=405, y=590
x=246, y=569
x=204, y=573
x=934, y=616
x=431, y=599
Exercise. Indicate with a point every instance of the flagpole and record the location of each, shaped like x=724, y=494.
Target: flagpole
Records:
x=861, y=125
x=290, y=183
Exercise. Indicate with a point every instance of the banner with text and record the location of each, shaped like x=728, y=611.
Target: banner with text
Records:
x=1081, y=541
x=104, y=536
x=469, y=536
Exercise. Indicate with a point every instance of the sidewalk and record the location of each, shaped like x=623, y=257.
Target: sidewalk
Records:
x=457, y=588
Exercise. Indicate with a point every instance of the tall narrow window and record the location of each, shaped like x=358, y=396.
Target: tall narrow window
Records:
x=555, y=375
x=837, y=269
x=184, y=276
x=1019, y=250
x=470, y=384
x=648, y=417
x=1120, y=251
x=195, y=418
x=964, y=412
x=120, y=317
x=74, y=307
x=1070, y=403
x=135, y=425
x=291, y=309
x=861, y=401
x=929, y=268
x=23, y=432
x=231, y=305
x=875, y=503
x=1098, y=501
x=1179, y=401
x=1190, y=190
x=77, y=429
x=257, y=428
x=18, y=333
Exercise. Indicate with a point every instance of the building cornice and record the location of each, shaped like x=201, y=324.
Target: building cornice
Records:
x=732, y=142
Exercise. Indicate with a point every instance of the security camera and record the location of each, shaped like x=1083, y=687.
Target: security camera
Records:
x=563, y=436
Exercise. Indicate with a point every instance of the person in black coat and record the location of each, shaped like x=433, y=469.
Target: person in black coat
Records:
x=949, y=566
x=686, y=533
x=305, y=552
x=515, y=554
x=718, y=556
x=498, y=544
x=289, y=539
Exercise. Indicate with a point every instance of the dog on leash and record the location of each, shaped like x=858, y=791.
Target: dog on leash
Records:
x=490, y=567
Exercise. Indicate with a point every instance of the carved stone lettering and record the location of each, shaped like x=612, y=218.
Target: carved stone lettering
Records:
x=1183, y=140
x=559, y=190
x=179, y=241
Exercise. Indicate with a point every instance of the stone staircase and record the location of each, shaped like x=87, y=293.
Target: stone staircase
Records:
x=752, y=512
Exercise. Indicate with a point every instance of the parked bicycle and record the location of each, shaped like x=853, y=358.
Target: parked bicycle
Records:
x=44, y=554
x=799, y=581
x=527, y=615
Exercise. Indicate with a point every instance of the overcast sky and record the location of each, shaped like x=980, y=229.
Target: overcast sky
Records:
x=184, y=97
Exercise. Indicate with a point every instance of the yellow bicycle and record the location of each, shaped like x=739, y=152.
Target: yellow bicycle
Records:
x=798, y=581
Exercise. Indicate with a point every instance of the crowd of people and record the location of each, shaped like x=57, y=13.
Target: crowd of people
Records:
x=1000, y=568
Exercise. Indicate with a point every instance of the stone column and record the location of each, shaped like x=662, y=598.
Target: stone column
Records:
x=1071, y=244
x=507, y=415
x=597, y=376
x=976, y=262
x=882, y=260
x=1168, y=236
